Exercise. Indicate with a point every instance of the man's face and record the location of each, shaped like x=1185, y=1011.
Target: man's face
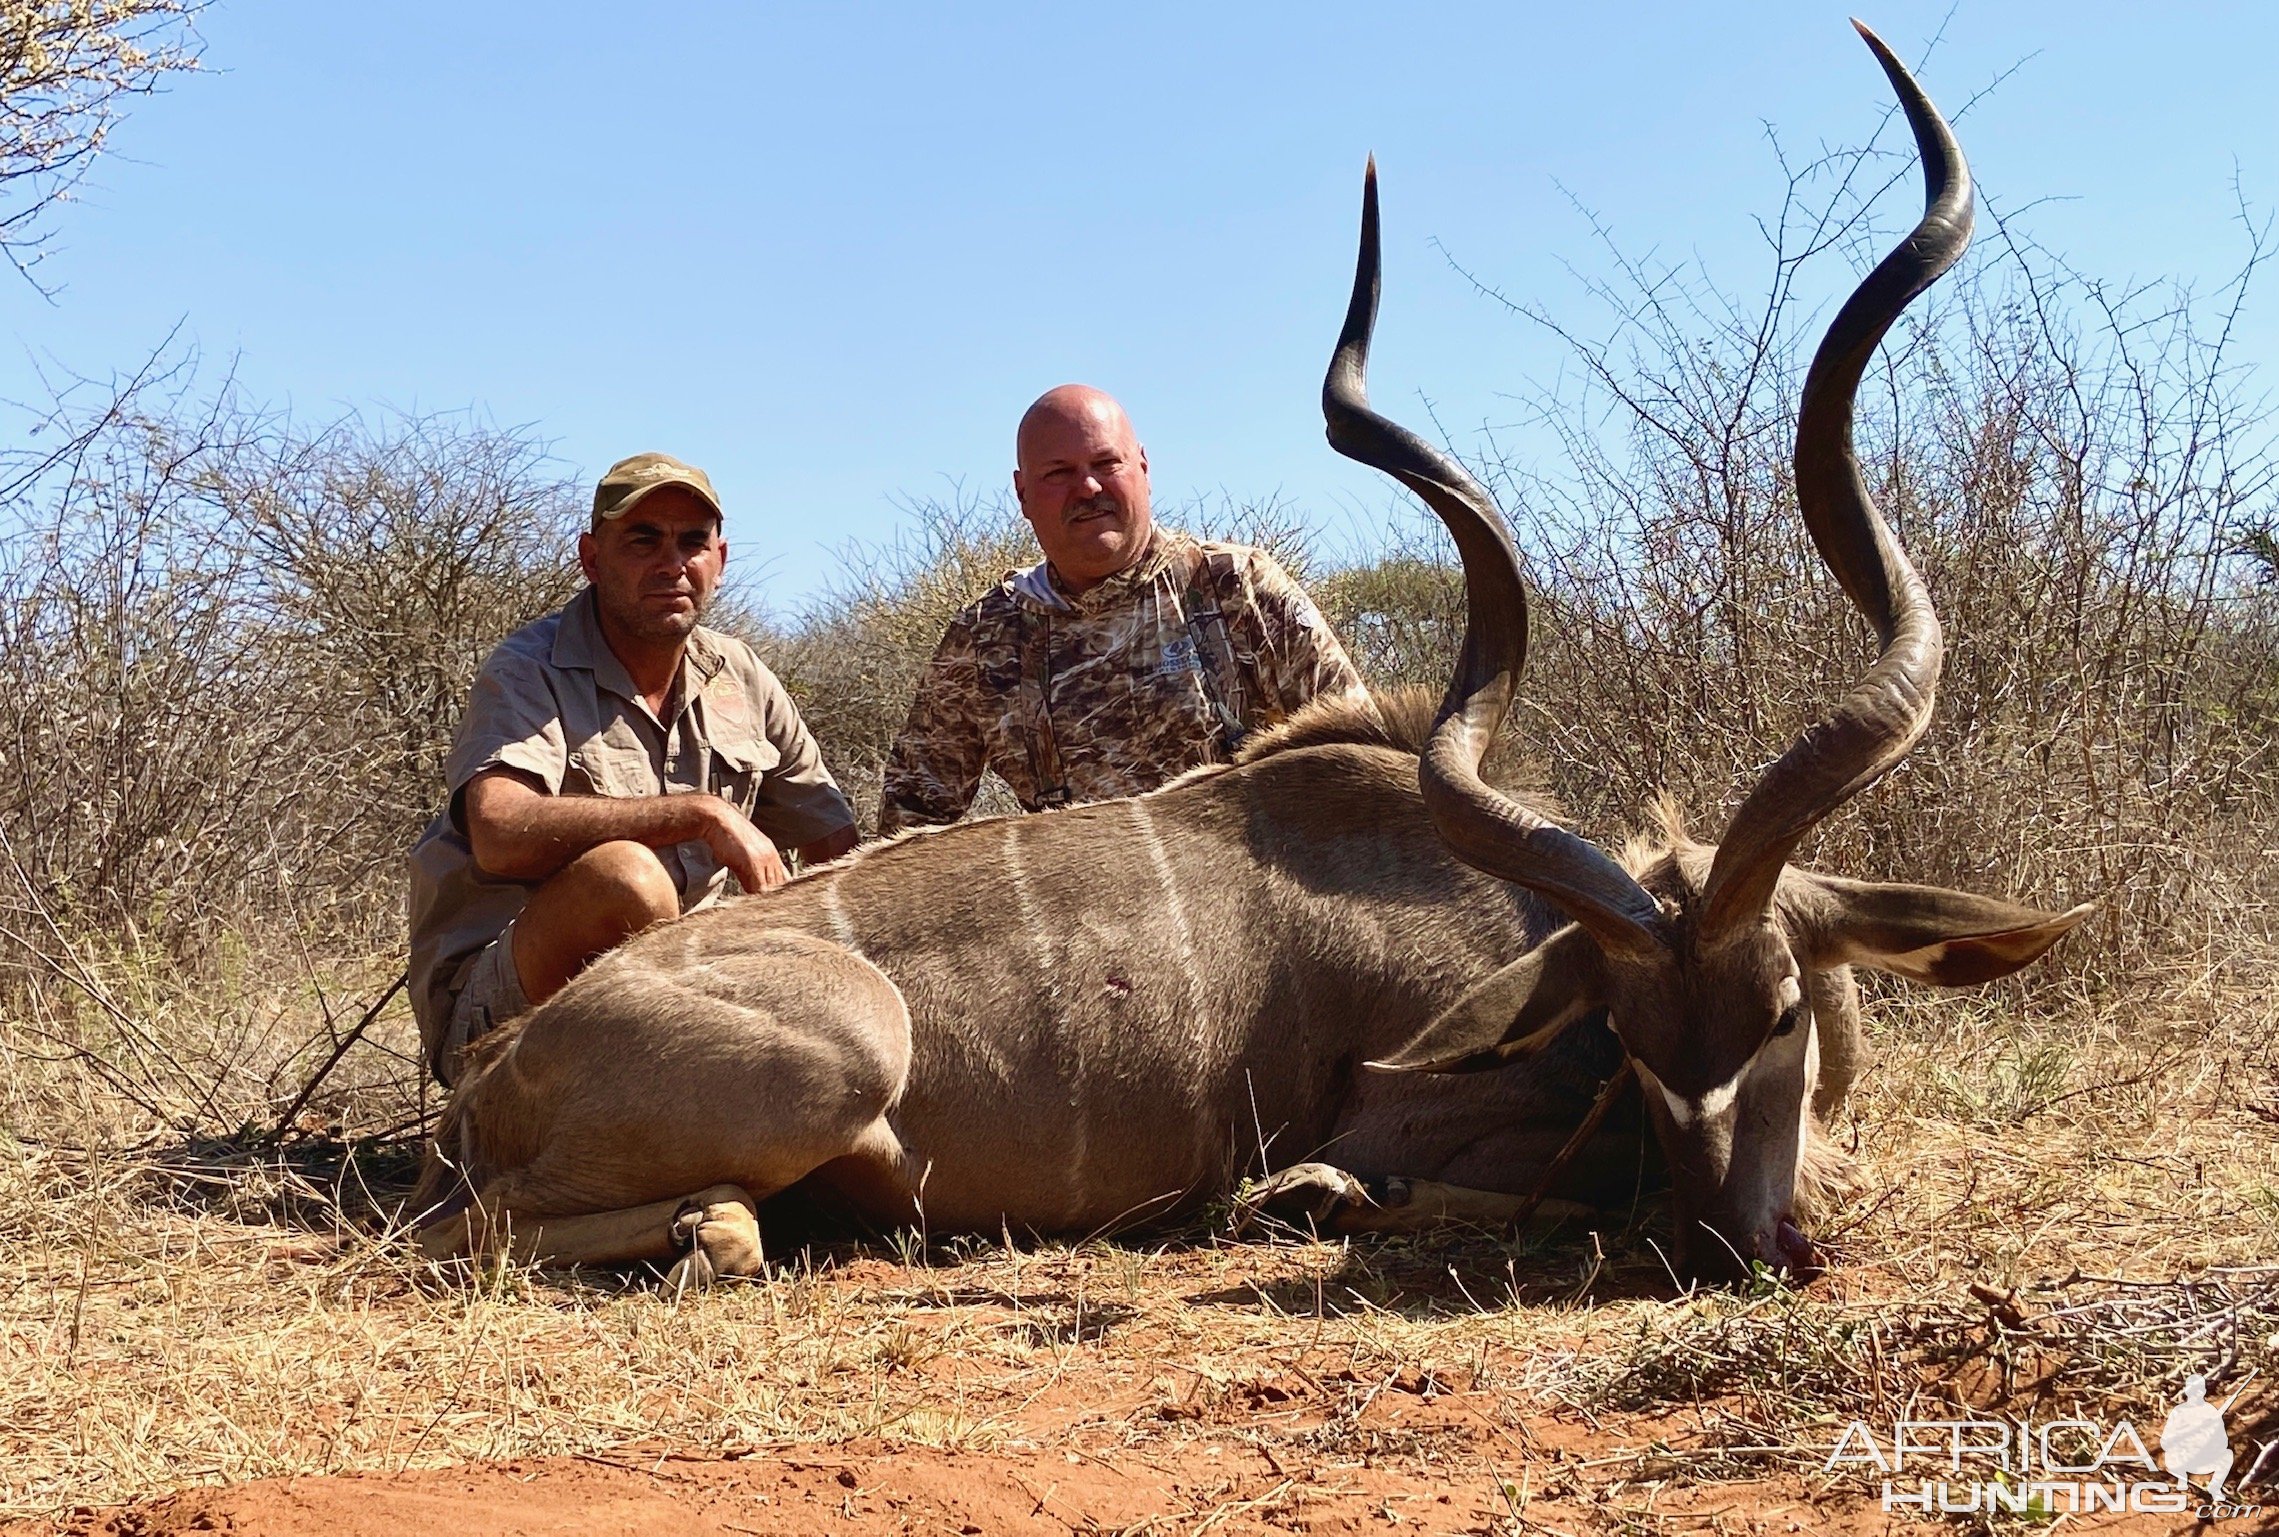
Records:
x=1082, y=484
x=654, y=569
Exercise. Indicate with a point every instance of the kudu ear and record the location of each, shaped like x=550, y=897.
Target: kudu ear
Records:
x=1521, y=1009
x=1932, y=934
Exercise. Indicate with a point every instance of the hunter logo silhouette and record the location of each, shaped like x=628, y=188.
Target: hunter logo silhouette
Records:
x=2192, y=1439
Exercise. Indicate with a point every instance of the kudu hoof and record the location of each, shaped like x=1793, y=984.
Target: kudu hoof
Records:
x=1303, y=1196
x=449, y=1238
x=720, y=1229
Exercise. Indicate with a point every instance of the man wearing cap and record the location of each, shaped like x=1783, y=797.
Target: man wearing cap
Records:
x=617, y=764
x=1127, y=656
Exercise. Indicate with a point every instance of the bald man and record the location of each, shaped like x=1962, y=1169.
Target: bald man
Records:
x=1127, y=656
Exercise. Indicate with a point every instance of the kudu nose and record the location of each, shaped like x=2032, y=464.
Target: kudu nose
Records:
x=1796, y=1254
x=1719, y=1258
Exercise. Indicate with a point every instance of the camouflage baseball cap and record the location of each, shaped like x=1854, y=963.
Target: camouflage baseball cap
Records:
x=629, y=480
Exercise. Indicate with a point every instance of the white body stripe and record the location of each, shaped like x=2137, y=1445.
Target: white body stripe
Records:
x=1049, y=987
x=835, y=912
x=1199, y=1024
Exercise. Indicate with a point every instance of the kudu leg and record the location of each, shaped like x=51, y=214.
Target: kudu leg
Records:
x=1416, y=1205
x=1336, y=1203
x=716, y=1233
x=698, y=1057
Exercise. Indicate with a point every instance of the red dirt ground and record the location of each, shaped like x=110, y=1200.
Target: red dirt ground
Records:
x=1126, y=1440
x=1456, y=1470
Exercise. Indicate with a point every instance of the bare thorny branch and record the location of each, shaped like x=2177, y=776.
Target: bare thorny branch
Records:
x=67, y=70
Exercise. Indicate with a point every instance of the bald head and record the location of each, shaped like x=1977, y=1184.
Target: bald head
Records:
x=1070, y=408
x=1082, y=483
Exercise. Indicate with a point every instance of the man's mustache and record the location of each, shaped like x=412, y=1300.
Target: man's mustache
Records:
x=1092, y=506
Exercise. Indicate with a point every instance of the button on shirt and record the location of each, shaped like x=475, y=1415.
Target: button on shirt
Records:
x=554, y=703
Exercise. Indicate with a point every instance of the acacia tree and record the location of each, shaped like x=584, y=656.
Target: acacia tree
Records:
x=66, y=70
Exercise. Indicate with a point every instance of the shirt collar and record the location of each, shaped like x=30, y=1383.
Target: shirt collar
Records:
x=704, y=658
x=578, y=642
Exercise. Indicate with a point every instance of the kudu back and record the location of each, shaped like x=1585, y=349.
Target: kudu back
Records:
x=1094, y=1017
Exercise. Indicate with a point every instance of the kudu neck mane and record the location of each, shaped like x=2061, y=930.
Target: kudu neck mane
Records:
x=1401, y=720
x=1397, y=719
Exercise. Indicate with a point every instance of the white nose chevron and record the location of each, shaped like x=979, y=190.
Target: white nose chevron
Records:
x=1715, y=1103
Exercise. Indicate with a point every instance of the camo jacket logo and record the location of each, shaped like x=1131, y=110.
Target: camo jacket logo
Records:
x=1112, y=692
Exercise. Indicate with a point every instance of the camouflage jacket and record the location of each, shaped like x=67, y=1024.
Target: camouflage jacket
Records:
x=1112, y=692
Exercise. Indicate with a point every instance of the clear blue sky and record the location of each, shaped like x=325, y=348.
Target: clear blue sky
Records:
x=831, y=252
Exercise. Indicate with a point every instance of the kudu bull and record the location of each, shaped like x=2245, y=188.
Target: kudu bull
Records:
x=1083, y=1018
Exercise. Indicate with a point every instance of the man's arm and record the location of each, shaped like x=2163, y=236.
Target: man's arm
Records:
x=936, y=763
x=521, y=833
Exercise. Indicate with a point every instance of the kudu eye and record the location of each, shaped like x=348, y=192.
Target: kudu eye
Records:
x=1790, y=1018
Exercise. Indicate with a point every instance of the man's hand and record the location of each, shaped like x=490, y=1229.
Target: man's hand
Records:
x=742, y=849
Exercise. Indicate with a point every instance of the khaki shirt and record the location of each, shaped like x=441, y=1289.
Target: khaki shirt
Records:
x=1113, y=691
x=554, y=703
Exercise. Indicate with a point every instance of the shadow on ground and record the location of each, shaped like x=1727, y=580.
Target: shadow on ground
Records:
x=325, y=1185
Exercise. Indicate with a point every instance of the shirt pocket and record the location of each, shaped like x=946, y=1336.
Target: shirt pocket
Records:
x=741, y=759
x=613, y=761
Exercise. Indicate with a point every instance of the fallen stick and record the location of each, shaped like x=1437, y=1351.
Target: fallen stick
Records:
x=316, y=1079
x=1611, y=1091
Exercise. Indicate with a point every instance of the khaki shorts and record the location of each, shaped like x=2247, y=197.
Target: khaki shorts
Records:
x=490, y=994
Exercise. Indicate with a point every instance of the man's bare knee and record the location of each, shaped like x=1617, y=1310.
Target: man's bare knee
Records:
x=624, y=881
x=591, y=905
